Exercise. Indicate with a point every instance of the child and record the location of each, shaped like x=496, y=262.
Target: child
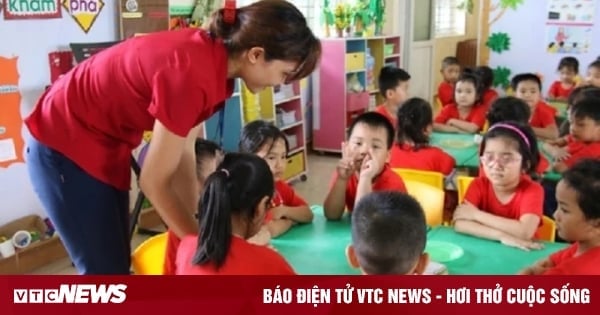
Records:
x=466, y=115
x=528, y=87
x=510, y=108
x=450, y=72
x=412, y=149
x=579, y=93
x=388, y=235
x=268, y=142
x=578, y=221
x=568, y=67
x=593, y=74
x=486, y=75
x=208, y=156
x=585, y=136
x=232, y=210
x=393, y=86
x=363, y=167
x=505, y=204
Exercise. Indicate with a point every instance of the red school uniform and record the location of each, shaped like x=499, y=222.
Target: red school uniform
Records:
x=557, y=90
x=426, y=158
x=446, y=93
x=566, y=263
x=383, y=111
x=96, y=114
x=386, y=180
x=243, y=258
x=579, y=150
x=489, y=96
x=543, y=116
x=528, y=198
x=284, y=195
x=476, y=115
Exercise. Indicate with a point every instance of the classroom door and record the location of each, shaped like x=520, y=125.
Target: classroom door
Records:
x=420, y=47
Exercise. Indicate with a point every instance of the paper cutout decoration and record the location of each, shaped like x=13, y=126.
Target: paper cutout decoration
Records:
x=31, y=9
x=11, y=141
x=84, y=12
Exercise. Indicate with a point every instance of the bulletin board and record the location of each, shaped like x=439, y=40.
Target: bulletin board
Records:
x=569, y=26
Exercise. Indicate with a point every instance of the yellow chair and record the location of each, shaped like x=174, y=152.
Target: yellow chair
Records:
x=430, y=198
x=547, y=232
x=434, y=179
x=463, y=183
x=148, y=258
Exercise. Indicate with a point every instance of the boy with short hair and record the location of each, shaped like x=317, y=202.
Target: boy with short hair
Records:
x=585, y=136
x=389, y=234
x=578, y=220
x=450, y=72
x=393, y=86
x=528, y=87
x=364, y=165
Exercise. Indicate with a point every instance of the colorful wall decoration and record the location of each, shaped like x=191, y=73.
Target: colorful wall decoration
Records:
x=84, y=12
x=11, y=140
x=569, y=26
x=31, y=9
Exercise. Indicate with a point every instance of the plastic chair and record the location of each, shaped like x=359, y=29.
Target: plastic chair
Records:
x=148, y=258
x=547, y=232
x=430, y=198
x=463, y=183
x=434, y=179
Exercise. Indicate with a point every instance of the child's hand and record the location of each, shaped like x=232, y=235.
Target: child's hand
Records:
x=532, y=271
x=560, y=154
x=370, y=167
x=262, y=238
x=346, y=167
x=465, y=211
x=525, y=245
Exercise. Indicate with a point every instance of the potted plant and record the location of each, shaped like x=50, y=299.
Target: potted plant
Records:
x=379, y=8
x=328, y=17
x=341, y=19
x=362, y=16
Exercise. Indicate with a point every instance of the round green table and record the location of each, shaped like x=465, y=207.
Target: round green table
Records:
x=319, y=249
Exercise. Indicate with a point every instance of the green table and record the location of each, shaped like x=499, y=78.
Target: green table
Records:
x=319, y=248
x=561, y=108
x=462, y=147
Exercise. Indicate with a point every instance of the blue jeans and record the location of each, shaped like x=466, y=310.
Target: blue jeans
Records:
x=91, y=217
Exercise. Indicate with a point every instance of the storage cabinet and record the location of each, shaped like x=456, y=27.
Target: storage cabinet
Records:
x=337, y=99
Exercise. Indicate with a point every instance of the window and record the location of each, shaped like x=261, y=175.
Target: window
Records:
x=309, y=8
x=449, y=19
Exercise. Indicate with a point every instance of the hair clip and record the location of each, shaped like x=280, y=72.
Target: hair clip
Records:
x=229, y=11
x=225, y=171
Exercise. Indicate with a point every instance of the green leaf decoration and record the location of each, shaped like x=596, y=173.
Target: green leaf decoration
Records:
x=512, y=4
x=498, y=42
x=502, y=77
x=466, y=5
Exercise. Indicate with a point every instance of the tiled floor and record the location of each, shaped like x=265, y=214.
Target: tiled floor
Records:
x=320, y=168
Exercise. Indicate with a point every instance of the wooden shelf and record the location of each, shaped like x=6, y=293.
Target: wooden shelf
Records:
x=290, y=126
x=285, y=100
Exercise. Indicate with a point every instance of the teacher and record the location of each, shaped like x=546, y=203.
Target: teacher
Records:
x=86, y=125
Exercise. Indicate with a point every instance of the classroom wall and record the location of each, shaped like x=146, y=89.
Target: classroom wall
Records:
x=31, y=41
x=527, y=29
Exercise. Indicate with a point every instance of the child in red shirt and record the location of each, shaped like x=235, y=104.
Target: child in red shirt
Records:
x=393, y=86
x=268, y=142
x=208, y=156
x=232, y=209
x=510, y=108
x=593, y=74
x=505, y=204
x=578, y=221
x=450, y=72
x=466, y=114
x=585, y=136
x=363, y=167
x=528, y=87
x=568, y=68
x=376, y=251
x=486, y=75
x=412, y=149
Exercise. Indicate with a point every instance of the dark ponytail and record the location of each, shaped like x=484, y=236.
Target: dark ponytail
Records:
x=413, y=117
x=236, y=188
x=275, y=25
